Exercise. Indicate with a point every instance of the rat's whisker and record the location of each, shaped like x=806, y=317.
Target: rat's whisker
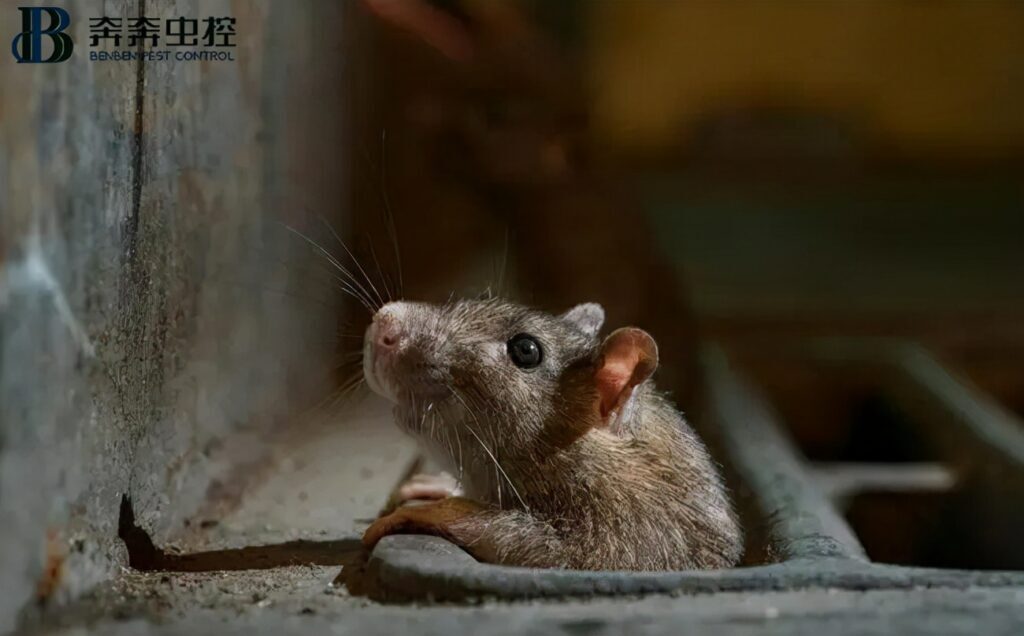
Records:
x=504, y=265
x=269, y=290
x=310, y=271
x=380, y=271
x=345, y=287
x=458, y=441
x=337, y=282
x=348, y=393
x=342, y=283
x=389, y=217
x=353, y=381
x=487, y=450
x=497, y=481
x=364, y=295
x=346, y=390
x=354, y=259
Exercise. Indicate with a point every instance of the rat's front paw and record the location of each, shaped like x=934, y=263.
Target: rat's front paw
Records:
x=394, y=523
x=422, y=487
x=437, y=518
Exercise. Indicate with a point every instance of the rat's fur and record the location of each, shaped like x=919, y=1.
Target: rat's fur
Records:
x=558, y=487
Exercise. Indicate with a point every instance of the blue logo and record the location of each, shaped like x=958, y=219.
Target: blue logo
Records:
x=27, y=46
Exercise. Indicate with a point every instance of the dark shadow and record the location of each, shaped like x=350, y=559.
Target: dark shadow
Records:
x=144, y=555
x=972, y=527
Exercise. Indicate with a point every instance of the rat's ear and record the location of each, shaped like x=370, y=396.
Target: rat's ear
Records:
x=628, y=357
x=588, y=317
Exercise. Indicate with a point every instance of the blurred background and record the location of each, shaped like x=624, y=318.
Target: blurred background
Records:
x=786, y=179
x=791, y=165
x=766, y=175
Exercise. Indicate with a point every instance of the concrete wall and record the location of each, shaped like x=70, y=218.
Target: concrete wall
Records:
x=156, y=319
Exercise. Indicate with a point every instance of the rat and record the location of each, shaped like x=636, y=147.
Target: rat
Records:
x=566, y=454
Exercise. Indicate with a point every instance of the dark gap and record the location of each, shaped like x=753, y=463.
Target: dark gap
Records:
x=144, y=555
x=839, y=414
x=973, y=527
x=877, y=431
x=1000, y=374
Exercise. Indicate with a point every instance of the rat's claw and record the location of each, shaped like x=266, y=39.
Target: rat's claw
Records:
x=424, y=486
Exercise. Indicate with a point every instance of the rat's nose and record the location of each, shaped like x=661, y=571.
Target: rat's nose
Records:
x=388, y=330
x=389, y=333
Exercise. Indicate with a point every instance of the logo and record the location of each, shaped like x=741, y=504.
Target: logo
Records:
x=27, y=46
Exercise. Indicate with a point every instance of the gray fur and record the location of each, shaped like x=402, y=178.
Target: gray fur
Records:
x=560, y=489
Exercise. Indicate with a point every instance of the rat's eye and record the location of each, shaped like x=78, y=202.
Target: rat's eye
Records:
x=525, y=351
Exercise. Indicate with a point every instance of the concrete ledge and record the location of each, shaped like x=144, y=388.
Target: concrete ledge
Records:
x=421, y=568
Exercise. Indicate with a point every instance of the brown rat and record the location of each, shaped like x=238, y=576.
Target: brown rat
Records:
x=567, y=454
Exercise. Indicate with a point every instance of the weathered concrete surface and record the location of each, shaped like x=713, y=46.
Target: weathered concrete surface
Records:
x=323, y=482
x=60, y=214
x=156, y=320
x=299, y=601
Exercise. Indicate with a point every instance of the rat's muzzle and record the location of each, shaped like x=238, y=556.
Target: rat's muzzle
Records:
x=398, y=353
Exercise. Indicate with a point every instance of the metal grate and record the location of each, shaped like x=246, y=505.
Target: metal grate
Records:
x=807, y=542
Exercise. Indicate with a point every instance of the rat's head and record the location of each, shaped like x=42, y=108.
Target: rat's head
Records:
x=511, y=374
